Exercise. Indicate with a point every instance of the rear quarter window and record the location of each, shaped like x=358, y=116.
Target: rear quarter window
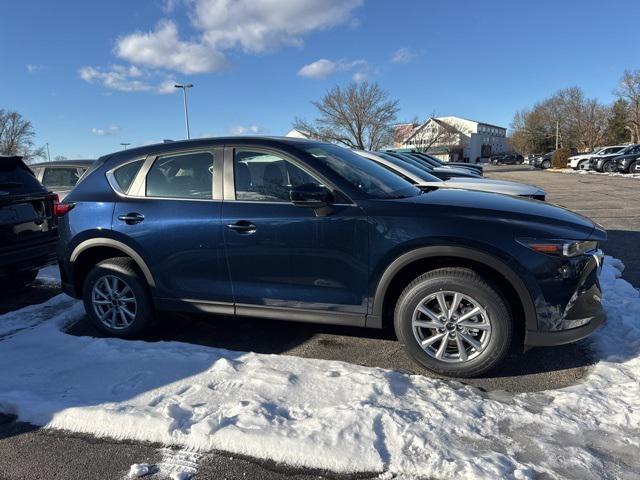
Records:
x=125, y=175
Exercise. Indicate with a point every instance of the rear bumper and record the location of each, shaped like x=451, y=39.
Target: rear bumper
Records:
x=561, y=337
x=33, y=257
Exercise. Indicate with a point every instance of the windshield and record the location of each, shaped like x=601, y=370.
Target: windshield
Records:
x=367, y=176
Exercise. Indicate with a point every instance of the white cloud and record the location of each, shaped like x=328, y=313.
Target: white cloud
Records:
x=162, y=48
x=359, y=77
x=319, y=69
x=261, y=25
x=126, y=79
x=323, y=68
x=404, y=55
x=103, y=132
x=33, y=68
x=246, y=130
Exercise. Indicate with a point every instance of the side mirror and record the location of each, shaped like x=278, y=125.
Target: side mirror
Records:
x=310, y=195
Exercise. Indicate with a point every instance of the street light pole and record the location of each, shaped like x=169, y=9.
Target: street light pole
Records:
x=184, y=88
x=124, y=145
x=48, y=154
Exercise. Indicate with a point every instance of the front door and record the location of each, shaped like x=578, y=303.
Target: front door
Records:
x=288, y=261
x=172, y=217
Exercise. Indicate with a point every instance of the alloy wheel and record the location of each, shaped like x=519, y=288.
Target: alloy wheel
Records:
x=451, y=327
x=114, y=302
x=609, y=167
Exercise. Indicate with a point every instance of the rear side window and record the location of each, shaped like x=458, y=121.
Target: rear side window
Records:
x=125, y=174
x=188, y=176
x=61, y=177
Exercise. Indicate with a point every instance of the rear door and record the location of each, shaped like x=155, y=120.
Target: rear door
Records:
x=288, y=261
x=169, y=212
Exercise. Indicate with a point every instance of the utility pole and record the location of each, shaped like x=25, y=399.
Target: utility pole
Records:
x=124, y=145
x=557, y=133
x=48, y=154
x=184, y=88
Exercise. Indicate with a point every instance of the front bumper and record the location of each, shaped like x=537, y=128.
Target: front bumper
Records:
x=547, y=339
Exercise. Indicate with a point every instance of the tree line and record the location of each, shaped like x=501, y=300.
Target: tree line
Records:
x=570, y=119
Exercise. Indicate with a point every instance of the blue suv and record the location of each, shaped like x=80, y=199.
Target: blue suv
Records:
x=306, y=231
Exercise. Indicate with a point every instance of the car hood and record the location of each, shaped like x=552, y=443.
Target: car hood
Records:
x=522, y=213
x=491, y=185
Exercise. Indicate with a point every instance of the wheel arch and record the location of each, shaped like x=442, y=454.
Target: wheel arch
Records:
x=415, y=262
x=89, y=252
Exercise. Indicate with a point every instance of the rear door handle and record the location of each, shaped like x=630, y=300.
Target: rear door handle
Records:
x=131, y=218
x=242, y=226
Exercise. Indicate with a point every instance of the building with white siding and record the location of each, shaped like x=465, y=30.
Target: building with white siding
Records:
x=453, y=138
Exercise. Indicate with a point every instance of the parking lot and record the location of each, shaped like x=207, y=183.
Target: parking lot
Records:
x=611, y=201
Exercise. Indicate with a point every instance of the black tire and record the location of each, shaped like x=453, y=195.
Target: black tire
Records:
x=546, y=164
x=632, y=167
x=609, y=167
x=126, y=270
x=467, y=282
x=581, y=164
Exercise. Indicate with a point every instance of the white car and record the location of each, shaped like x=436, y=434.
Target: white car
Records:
x=581, y=162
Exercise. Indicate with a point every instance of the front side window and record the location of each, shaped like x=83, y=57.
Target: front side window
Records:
x=267, y=177
x=370, y=178
x=61, y=177
x=188, y=176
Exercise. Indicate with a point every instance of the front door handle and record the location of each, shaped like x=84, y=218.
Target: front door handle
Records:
x=131, y=218
x=242, y=226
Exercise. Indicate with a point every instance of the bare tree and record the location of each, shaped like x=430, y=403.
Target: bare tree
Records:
x=629, y=91
x=358, y=116
x=60, y=158
x=16, y=136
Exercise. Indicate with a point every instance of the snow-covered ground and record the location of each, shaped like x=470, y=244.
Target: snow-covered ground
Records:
x=328, y=414
x=593, y=172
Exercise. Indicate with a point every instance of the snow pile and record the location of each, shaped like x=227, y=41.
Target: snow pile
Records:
x=608, y=174
x=327, y=414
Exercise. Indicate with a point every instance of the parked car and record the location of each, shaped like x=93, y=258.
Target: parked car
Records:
x=28, y=224
x=608, y=163
x=293, y=229
x=626, y=163
x=508, y=159
x=581, y=162
x=474, y=167
x=60, y=176
x=422, y=178
x=443, y=173
x=543, y=161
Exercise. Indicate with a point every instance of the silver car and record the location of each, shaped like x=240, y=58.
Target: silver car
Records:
x=419, y=176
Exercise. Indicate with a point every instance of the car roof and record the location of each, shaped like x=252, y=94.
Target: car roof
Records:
x=64, y=163
x=265, y=141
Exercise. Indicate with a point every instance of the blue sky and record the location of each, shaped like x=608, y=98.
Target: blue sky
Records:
x=90, y=75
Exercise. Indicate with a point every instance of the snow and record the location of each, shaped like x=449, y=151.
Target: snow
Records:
x=327, y=414
x=593, y=172
x=139, y=470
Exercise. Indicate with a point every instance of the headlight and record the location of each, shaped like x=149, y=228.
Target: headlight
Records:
x=560, y=248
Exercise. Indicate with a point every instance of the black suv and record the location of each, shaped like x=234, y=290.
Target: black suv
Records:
x=28, y=224
x=305, y=231
x=507, y=159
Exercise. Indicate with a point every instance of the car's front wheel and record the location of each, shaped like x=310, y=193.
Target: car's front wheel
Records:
x=582, y=165
x=632, y=167
x=116, y=298
x=453, y=323
x=609, y=167
x=546, y=164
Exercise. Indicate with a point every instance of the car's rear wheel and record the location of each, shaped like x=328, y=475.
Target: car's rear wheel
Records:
x=116, y=298
x=453, y=323
x=609, y=167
